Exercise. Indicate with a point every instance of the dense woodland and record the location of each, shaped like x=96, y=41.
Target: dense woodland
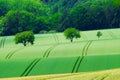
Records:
x=38, y=15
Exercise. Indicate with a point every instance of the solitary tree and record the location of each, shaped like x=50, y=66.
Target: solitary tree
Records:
x=99, y=34
x=25, y=38
x=71, y=33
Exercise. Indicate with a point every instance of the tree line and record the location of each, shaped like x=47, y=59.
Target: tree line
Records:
x=38, y=15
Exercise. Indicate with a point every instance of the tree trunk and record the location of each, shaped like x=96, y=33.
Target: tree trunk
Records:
x=71, y=39
x=24, y=43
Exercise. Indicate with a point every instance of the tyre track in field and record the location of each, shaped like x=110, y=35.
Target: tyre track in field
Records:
x=84, y=36
x=74, y=67
x=30, y=67
x=2, y=42
x=101, y=77
x=56, y=38
x=112, y=35
x=80, y=59
x=48, y=51
x=11, y=53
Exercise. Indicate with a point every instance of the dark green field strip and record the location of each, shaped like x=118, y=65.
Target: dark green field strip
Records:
x=100, y=62
x=13, y=67
x=54, y=66
x=10, y=54
x=30, y=67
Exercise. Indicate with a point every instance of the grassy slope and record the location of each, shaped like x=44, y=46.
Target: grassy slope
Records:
x=99, y=75
x=61, y=54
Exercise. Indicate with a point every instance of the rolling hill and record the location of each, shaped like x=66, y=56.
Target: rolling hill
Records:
x=53, y=54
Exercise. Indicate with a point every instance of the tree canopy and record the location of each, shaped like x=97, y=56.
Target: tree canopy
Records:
x=99, y=34
x=38, y=15
x=71, y=33
x=25, y=38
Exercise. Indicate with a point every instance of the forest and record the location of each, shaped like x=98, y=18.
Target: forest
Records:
x=46, y=15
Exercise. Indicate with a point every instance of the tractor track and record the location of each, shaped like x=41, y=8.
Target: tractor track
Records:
x=112, y=35
x=80, y=59
x=74, y=67
x=2, y=42
x=84, y=36
x=48, y=51
x=56, y=38
x=30, y=67
x=99, y=77
x=84, y=53
x=10, y=54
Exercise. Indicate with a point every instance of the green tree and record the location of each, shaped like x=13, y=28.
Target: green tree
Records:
x=99, y=34
x=71, y=33
x=25, y=38
x=17, y=21
x=4, y=7
x=54, y=20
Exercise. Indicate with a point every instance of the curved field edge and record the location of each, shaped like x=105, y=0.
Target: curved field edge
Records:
x=113, y=74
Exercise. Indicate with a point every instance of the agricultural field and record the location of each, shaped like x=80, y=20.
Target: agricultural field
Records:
x=113, y=74
x=53, y=54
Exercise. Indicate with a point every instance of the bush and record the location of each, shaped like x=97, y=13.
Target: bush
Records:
x=52, y=31
x=43, y=32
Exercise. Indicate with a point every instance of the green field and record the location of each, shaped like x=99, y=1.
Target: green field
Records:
x=53, y=54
